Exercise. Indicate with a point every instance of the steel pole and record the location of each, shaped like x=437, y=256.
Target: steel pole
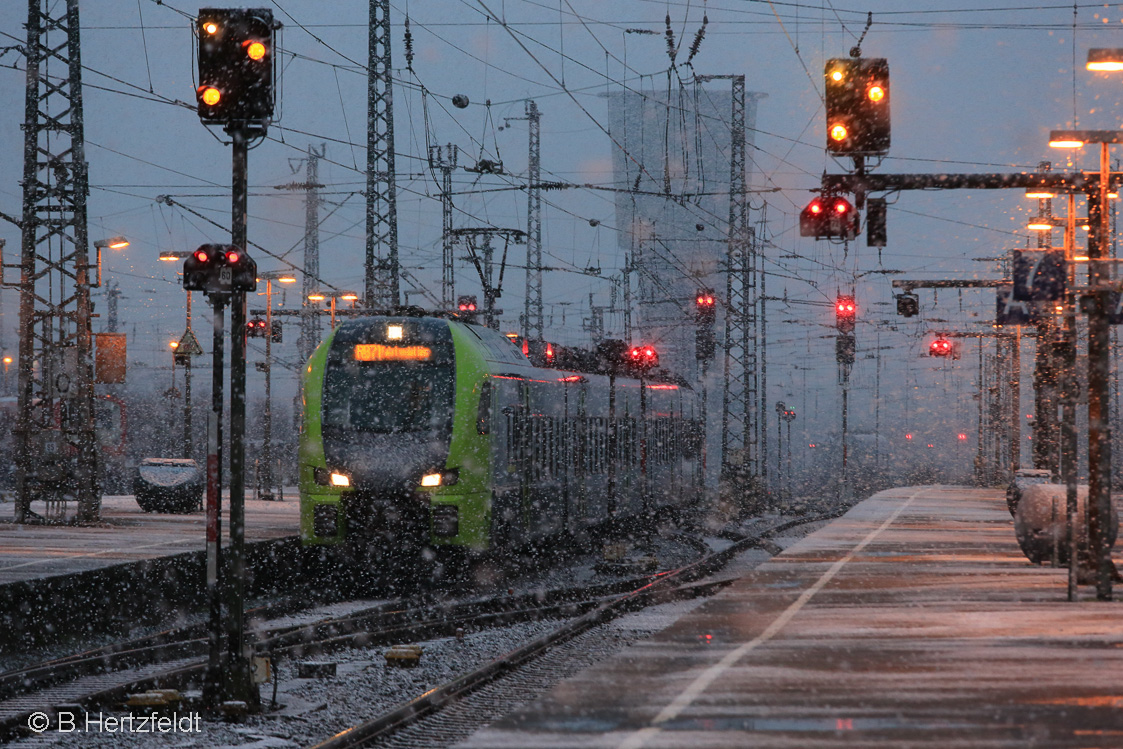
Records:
x=213, y=692
x=1099, y=404
x=240, y=679
x=187, y=392
x=845, y=447
x=1076, y=540
x=267, y=415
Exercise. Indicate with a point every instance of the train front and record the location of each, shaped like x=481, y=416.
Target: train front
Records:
x=379, y=396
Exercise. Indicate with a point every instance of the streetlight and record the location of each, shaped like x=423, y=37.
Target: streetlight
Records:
x=347, y=296
x=1105, y=60
x=265, y=477
x=113, y=243
x=184, y=357
x=1097, y=300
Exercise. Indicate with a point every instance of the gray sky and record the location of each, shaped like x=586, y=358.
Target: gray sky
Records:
x=973, y=89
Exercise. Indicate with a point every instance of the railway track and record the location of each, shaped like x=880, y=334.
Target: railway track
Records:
x=177, y=658
x=665, y=587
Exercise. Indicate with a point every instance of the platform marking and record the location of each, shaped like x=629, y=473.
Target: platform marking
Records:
x=94, y=554
x=707, y=677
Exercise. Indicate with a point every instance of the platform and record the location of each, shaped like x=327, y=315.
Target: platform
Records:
x=126, y=534
x=914, y=620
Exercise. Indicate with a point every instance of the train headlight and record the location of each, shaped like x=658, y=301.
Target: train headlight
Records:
x=340, y=479
x=394, y=332
x=444, y=478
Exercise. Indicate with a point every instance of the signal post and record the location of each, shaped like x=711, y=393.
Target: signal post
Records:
x=236, y=91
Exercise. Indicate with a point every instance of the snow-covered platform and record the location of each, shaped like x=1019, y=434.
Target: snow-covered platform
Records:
x=914, y=620
x=126, y=534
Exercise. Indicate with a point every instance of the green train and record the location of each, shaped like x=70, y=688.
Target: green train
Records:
x=425, y=432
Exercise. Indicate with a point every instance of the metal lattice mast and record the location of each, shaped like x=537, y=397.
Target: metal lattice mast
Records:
x=55, y=370
x=740, y=427
x=310, y=317
x=382, y=278
x=445, y=158
x=534, y=318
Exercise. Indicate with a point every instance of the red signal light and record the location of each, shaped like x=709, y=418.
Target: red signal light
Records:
x=841, y=206
x=962, y=437
x=816, y=207
x=233, y=257
x=940, y=347
x=202, y=256
x=908, y=436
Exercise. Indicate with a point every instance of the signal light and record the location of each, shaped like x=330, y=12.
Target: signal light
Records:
x=845, y=313
x=857, y=103
x=940, y=347
x=236, y=71
x=255, y=327
x=466, y=303
x=908, y=436
x=962, y=437
x=219, y=269
x=830, y=217
x=643, y=358
x=908, y=304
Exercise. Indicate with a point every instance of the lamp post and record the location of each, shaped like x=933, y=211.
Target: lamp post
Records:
x=346, y=296
x=266, y=475
x=184, y=357
x=1095, y=303
x=111, y=294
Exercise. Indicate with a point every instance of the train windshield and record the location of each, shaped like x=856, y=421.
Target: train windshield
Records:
x=387, y=397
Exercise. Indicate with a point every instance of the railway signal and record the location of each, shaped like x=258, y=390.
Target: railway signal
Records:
x=845, y=313
x=255, y=327
x=219, y=269
x=908, y=304
x=643, y=358
x=857, y=102
x=940, y=347
x=705, y=313
x=829, y=217
x=236, y=72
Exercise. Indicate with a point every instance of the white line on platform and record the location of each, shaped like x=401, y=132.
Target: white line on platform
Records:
x=93, y=554
x=707, y=677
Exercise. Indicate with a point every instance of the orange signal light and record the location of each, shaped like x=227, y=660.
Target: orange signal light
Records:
x=839, y=133
x=211, y=96
x=875, y=93
x=210, y=27
x=254, y=50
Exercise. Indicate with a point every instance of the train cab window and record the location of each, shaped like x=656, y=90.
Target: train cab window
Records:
x=387, y=398
x=483, y=413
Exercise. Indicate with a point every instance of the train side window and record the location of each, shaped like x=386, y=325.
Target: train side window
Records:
x=483, y=413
